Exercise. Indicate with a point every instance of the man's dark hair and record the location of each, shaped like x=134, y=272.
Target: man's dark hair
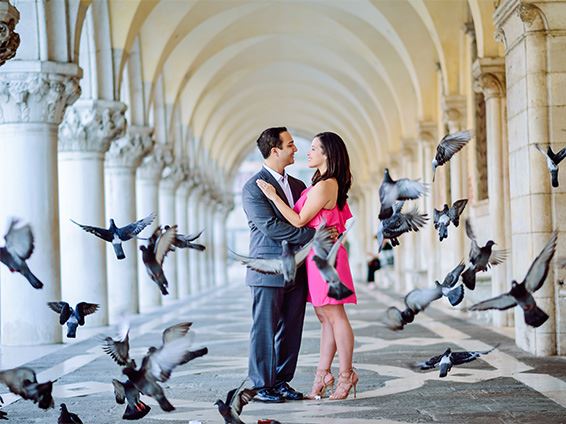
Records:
x=270, y=139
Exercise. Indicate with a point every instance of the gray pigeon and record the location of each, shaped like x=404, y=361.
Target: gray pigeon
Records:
x=403, y=189
x=119, y=349
x=481, y=258
x=154, y=253
x=552, y=162
x=399, y=223
x=448, y=147
x=419, y=299
x=235, y=402
x=19, y=247
x=443, y=218
x=67, y=417
x=127, y=392
x=73, y=317
x=185, y=241
x=22, y=381
x=448, y=359
x=117, y=235
x=521, y=294
x=396, y=319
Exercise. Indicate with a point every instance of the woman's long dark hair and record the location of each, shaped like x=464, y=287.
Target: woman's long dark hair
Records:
x=338, y=164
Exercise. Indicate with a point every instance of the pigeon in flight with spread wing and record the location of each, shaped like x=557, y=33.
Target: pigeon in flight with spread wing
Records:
x=67, y=417
x=73, y=317
x=19, y=247
x=521, y=293
x=395, y=319
x=116, y=235
x=392, y=190
x=186, y=241
x=127, y=392
x=154, y=253
x=552, y=162
x=235, y=402
x=22, y=381
x=399, y=223
x=119, y=349
x=448, y=147
x=443, y=218
x=448, y=359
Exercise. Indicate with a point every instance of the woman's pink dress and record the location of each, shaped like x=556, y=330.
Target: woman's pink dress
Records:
x=318, y=288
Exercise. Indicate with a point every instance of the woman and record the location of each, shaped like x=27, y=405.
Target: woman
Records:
x=326, y=199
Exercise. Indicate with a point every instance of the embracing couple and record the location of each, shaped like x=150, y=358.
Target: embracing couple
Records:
x=280, y=207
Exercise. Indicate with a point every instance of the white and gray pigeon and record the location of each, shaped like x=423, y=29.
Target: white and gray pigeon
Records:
x=236, y=399
x=73, y=317
x=18, y=248
x=399, y=223
x=481, y=258
x=128, y=393
x=391, y=191
x=116, y=235
x=448, y=147
x=183, y=241
x=552, y=162
x=154, y=253
x=447, y=215
x=448, y=359
x=521, y=293
x=22, y=381
x=395, y=319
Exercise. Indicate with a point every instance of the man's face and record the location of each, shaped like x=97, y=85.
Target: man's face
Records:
x=286, y=155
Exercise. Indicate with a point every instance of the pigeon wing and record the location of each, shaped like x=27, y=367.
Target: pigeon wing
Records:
x=474, y=248
x=103, y=233
x=164, y=360
x=242, y=399
x=63, y=309
x=162, y=247
x=334, y=250
x=497, y=257
x=501, y=302
x=264, y=266
x=176, y=331
x=135, y=228
x=413, y=220
x=186, y=239
x=83, y=309
x=436, y=214
x=410, y=189
x=538, y=270
x=302, y=253
x=119, y=391
x=419, y=299
x=118, y=350
x=560, y=155
x=463, y=357
x=451, y=144
x=431, y=363
x=457, y=208
x=19, y=240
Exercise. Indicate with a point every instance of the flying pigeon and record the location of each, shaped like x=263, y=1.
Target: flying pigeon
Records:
x=67, y=417
x=403, y=189
x=19, y=247
x=396, y=319
x=448, y=359
x=127, y=392
x=235, y=401
x=119, y=349
x=448, y=147
x=185, y=241
x=521, y=294
x=552, y=162
x=22, y=381
x=443, y=218
x=73, y=317
x=481, y=258
x=153, y=254
x=398, y=224
x=419, y=299
x=117, y=235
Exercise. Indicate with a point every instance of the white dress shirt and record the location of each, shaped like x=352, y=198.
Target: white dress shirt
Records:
x=283, y=183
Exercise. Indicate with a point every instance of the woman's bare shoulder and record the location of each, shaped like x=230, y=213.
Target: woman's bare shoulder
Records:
x=327, y=185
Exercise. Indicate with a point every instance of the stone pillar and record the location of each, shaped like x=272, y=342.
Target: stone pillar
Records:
x=408, y=241
x=534, y=44
x=207, y=214
x=122, y=159
x=194, y=226
x=219, y=248
x=34, y=96
x=9, y=39
x=181, y=215
x=489, y=74
x=85, y=135
x=147, y=201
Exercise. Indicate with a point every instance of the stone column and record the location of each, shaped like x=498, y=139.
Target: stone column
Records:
x=181, y=215
x=489, y=74
x=147, y=201
x=207, y=208
x=122, y=159
x=194, y=226
x=85, y=135
x=33, y=99
x=9, y=39
x=408, y=241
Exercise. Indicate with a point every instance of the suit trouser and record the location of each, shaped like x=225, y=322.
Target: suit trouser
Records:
x=275, y=338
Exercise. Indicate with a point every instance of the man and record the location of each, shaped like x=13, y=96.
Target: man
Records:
x=278, y=310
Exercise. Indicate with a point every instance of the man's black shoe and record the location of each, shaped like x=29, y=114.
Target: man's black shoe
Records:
x=268, y=396
x=287, y=392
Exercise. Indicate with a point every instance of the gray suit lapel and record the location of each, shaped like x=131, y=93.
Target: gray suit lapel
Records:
x=266, y=175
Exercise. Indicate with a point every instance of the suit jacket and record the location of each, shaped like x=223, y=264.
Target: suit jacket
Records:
x=268, y=227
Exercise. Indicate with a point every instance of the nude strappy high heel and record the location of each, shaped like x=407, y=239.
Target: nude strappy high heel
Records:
x=323, y=379
x=346, y=381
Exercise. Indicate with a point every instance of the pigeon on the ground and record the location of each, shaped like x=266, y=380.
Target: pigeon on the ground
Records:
x=396, y=319
x=520, y=293
x=19, y=247
x=399, y=223
x=127, y=392
x=235, y=402
x=73, y=317
x=481, y=258
x=448, y=147
x=448, y=359
x=325, y=254
x=153, y=254
x=452, y=214
x=119, y=349
x=185, y=241
x=22, y=381
x=67, y=417
x=117, y=235
x=392, y=190
x=552, y=162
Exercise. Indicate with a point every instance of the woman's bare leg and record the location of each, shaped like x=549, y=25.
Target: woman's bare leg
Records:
x=327, y=342
x=343, y=336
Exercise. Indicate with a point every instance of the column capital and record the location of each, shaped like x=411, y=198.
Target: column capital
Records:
x=454, y=111
x=408, y=148
x=173, y=175
x=427, y=132
x=155, y=161
x=489, y=76
x=127, y=151
x=9, y=39
x=90, y=125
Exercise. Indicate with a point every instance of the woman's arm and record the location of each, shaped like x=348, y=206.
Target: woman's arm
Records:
x=318, y=197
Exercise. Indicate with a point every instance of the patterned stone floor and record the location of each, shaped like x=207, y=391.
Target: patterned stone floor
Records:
x=508, y=386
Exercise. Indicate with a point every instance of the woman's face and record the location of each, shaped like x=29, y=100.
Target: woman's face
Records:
x=315, y=156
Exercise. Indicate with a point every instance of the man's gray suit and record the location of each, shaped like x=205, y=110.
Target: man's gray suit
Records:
x=278, y=311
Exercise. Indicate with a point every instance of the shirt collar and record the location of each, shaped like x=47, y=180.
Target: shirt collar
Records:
x=276, y=175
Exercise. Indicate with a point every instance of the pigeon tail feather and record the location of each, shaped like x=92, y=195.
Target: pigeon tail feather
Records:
x=339, y=291
x=119, y=251
x=33, y=280
x=135, y=413
x=165, y=404
x=455, y=296
x=444, y=368
x=554, y=174
x=535, y=317
x=443, y=232
x=469, y=278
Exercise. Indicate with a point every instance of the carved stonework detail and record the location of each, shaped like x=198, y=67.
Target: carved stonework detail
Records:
x=36, y=97
x=454, y=112
x=527, y=13
x=128, y=151
x=90, y=126
x=173, y=175
x=490, y=85
x=9, y=39
x=153, y=164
